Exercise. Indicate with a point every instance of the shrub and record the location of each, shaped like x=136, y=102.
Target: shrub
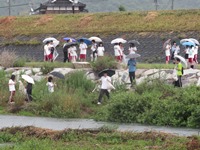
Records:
x=46, y=68
x=104, y=63
x=20, y=62
x=8, y=58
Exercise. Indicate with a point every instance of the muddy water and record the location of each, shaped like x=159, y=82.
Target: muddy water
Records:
x=60, y=124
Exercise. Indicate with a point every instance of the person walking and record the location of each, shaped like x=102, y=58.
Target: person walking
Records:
x=100, y=50
x=65, y=51
x=12, y=89
x=131, y=68
x=167, y=52
x=117, y=52
x=73, y=53
x=179, y=68
x=105, y=81
x=132, y=48
x=94, y=51
x=196, y=54
x=191, y=56
x=29, y=92
x=83, y=50
x=47, y=52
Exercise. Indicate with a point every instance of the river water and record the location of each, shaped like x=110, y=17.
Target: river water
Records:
x=61, y=124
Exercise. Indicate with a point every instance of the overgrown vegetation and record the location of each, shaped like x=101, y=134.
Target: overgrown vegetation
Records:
x=153, y=102
x=105, y=23
x=36, y=138
x=8, y=58
x=107, y=62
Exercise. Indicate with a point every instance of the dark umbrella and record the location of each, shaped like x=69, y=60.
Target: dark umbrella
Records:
x=134, y=42
x=57, y=74
x=110, y=72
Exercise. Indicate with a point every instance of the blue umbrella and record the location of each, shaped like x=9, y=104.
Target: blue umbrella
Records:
x=85, y=40
x=188, y=44
x=68, y=38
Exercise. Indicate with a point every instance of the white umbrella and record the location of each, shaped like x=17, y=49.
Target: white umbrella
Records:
x=186, y=40
x=55, y=41
x=195, y=41
x=166, y=42
x=133, y=55
x=118, y=40
x=183, y=61
x=28, y=79
x=97, y=39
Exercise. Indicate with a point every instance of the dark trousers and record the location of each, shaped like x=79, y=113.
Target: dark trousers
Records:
x=178, y=83
x=65, y=56
x=102, y=92
x=94, y=55
x=29, y=95
x=132, y=76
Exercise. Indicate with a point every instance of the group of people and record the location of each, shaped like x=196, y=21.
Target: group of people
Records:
x=70, y=51
x=191, y=53
x=96, y=49
x=26, y=90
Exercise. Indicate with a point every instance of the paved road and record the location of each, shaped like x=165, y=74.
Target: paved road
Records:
x=60, y=124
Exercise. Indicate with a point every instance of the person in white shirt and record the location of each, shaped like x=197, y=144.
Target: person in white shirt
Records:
x=105, y=81
x=167, y=53
x=47, y=51
x=117, y=51
x=50, y=85
x=196, y=54
x=73, y=53
x=100, y=50
x=12, y=90
x=83, y=50
x=93, y=51
x=191, y=56
x=70, y=51
x=132, y=48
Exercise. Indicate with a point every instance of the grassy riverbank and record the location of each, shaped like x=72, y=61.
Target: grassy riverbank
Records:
x=102, y=23
x=105, y=138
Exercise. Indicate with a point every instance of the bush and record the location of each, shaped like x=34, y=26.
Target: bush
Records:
x=8, y=58
x=46, y=68
x=20, y=62
x=104, y=63
x=157, y=103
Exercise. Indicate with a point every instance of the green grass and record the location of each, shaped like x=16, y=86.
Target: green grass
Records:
x=54, y=64
x=104, y=23
x=36, y=138
x=70, y=65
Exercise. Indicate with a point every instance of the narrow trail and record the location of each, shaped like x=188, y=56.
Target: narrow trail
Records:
x=61, y=124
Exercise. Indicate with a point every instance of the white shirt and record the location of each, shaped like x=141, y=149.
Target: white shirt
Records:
x=73, y=51
x=191, y=52
x=11, y=85
x=117, y=50
x=196, y=50
x=167, y=51
x=132, y=50
x=100, y=51
x=46, y=50
x=187, y=50
x=83, y=48
x=50, y=87
x=105, y=82
x=94, y=47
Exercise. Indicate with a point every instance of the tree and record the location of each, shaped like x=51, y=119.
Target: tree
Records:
x=121, y=8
